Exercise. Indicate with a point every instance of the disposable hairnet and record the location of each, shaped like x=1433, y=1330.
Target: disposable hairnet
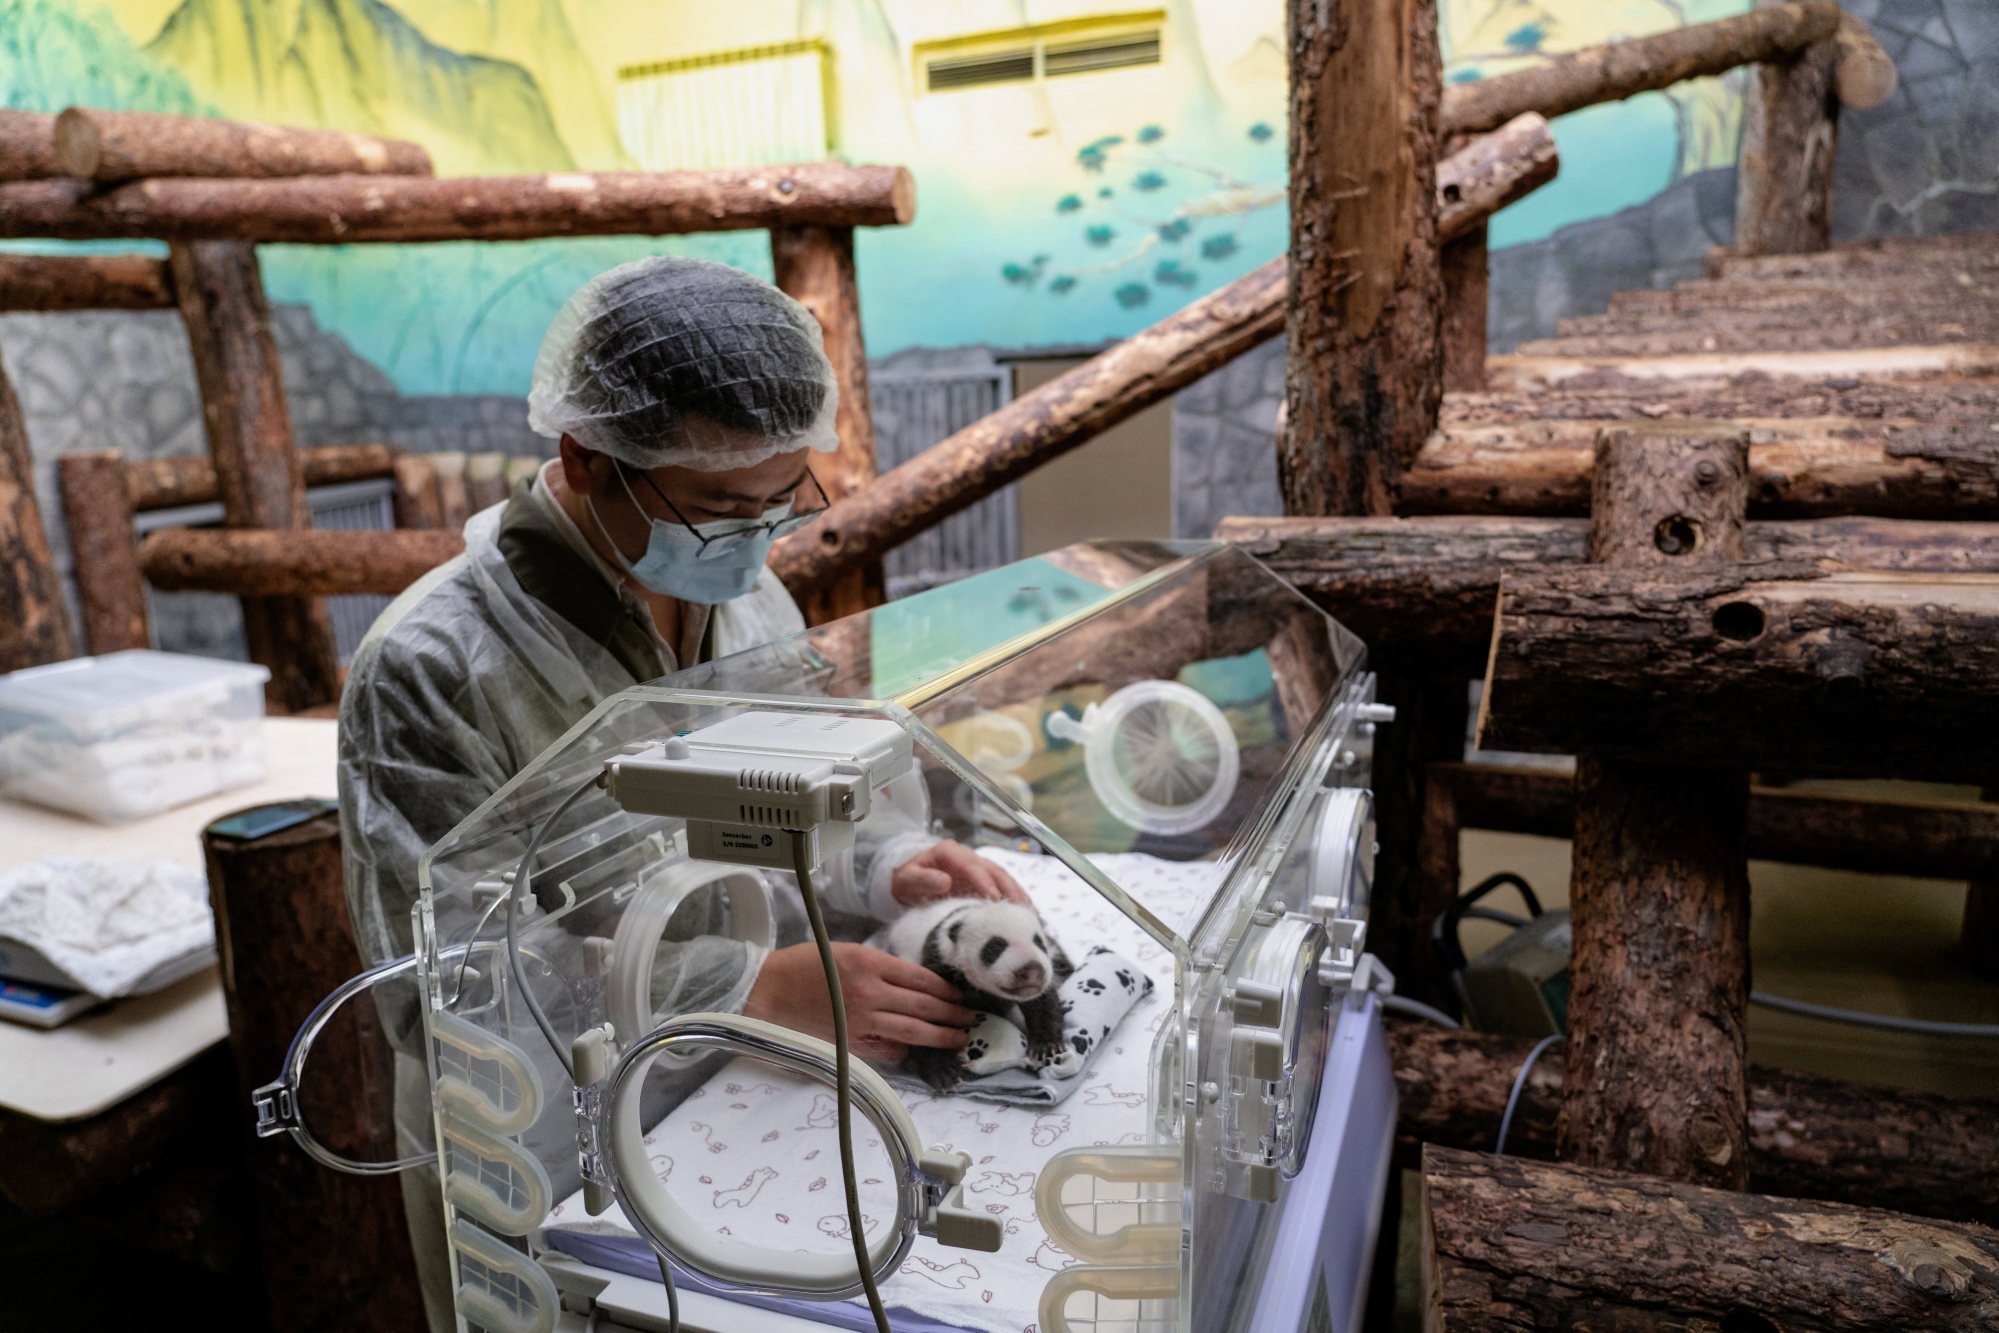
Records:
x=667, y=362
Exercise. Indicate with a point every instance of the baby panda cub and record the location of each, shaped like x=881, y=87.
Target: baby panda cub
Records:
x=1001, y=957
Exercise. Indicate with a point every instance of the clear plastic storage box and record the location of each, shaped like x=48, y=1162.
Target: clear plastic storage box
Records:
x=130, y=734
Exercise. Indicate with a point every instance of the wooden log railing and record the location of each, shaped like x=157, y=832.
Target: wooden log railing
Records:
x=1618, y=70
x=294, y=564
x=1137, y=372
x=126, y=145
x=34, y=627
x=28, y=146
x=84, y=282
x=1933, y=839
x=1424, y=589
x=1513, y=1244
x=1810, y=1137
x=340, y=210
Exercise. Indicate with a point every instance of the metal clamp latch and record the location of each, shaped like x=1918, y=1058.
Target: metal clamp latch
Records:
x=277, y=1109
x=944, y=1214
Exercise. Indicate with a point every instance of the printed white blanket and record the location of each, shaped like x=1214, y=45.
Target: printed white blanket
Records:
x=756, y=1149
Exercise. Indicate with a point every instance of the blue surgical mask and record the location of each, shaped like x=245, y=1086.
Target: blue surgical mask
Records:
x=708, y=563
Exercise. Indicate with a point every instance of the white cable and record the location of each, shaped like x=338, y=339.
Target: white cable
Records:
x=672, y=1294
x=842, y=1080
x=1519, y=1084
x=1402, y=1004
x=1927, y=1027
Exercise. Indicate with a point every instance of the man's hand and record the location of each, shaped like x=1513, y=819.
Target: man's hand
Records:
x=891, y=1004
x=952, y=870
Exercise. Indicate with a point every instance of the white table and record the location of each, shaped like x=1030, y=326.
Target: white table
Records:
x=94, y=1062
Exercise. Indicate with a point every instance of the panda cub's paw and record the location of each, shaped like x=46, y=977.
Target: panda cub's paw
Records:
x=1043, y=1054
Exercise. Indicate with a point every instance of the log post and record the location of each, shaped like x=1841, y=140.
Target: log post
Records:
x=1810, y=1137
x=1466, y=289
x=104, y=547
x=1659, y=893
x=336, y=1251
x=34, y=626
x=125, y=145
x=815, y=267
x=1790, y=127
x=418, y=503
x=257, y=470
x=1366, y=292
x=1513, y=1244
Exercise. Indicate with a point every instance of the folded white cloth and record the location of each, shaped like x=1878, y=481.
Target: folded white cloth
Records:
x=1095, y=999
x=107, y=927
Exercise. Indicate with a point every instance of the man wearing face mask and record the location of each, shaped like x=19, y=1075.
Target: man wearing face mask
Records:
x=687, y=399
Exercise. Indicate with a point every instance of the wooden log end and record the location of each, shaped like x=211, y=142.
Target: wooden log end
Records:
x=79, y=149
x=902, y=197
x=1865, y=76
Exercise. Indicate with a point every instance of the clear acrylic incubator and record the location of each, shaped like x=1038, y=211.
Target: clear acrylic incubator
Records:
x=1165, y=745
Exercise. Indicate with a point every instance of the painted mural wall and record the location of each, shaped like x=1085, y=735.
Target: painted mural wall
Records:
x=1082, y=168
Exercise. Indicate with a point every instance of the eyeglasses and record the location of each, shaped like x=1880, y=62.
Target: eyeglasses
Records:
x=776, y=527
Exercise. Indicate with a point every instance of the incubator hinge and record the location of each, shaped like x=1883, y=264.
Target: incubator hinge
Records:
x=277, y=1109
x=593, y=1053
x=944, y=1216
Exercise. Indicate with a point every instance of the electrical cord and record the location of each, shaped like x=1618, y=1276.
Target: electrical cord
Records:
x=524, y=883
x=1402, y=1004
x=1520, y=1085
x=1925, y=1027
x=842, y=1079
x=672, y=1294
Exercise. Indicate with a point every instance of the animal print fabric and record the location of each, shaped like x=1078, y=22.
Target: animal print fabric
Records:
x=755, y=1149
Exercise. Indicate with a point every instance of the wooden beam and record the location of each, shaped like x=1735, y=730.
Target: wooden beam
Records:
x=295, y=564
x=221, y=297
x=1874, y=674
x=1809, y=1137
x=1882, y=257
x=418, y=503
x=815, y=267
x=1659, y=887
x=1952, y=840
x=340, y=210
x=104, y=549
x=125, y=145
x=1365, y=302
x=1790, y=131
x=1466, y=291
x=34, y=626
x=84, y=282
x=1424, y=589
x=1946, y=466
x=169, y=483
x=1525, y=372
x=1076, y=407
x=1618, y=70
x=1513, y=1244
x=336, y=1250
x=28, y=146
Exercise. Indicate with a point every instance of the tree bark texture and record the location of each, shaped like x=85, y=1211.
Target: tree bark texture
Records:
x=338, y=210
x=1071, y=410
x=1809, y=1137
x=1424, y=589
x=84, y=282
x=1617, y=70
x=1790, y=130
x=34, y=626
x=28, y=146
x=268, y=564
x=1466, y=288
x=1799, y=468
x=1365, y=303
x=1880, y=257
x=257, y=467
x=336, y=1252
x=1957, y=840
x=105, y=548
x=1659, y=892
x=1526, y=371
x=125, y=145
x=1513, y=1244
x=1869, y=674
x=169, y=483
x=815, y=267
